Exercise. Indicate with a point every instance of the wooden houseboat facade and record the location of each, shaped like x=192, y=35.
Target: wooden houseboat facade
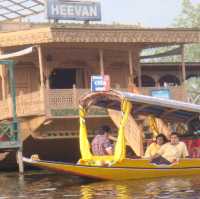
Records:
x=56, y=73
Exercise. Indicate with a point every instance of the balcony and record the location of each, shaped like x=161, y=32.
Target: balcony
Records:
x=26, y=104
x=63, y=103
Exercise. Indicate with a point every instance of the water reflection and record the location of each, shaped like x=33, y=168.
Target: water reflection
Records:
x=48, y=185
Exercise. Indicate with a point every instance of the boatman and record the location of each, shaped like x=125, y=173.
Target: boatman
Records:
x=101, y=144
x=171, y=152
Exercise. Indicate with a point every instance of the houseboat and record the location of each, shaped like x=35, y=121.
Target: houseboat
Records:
x=53, y=67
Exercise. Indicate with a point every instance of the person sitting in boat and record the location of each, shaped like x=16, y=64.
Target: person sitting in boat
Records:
x=171, y=151
x=101, y=144
x=154, y=147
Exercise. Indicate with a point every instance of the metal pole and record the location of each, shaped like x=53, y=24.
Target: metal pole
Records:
x=12, y=89
x=14, y=112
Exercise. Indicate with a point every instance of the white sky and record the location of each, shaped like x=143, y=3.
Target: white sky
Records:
x=148, y=13
x=153, y=13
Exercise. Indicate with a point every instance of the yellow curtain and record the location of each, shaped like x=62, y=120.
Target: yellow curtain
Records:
x=83, y=139
x=153, y=125
x=120, y=147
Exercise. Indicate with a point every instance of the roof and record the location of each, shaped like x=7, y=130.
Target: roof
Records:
x=170, y=110
x=95, y=34
x=12, y=9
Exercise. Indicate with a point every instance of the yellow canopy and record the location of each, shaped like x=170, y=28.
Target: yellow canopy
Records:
x=120, y=147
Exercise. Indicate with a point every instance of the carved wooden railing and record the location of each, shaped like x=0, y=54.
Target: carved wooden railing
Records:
x=26, y=105
x=62, y=102
x=31, y=104
x=5, y=109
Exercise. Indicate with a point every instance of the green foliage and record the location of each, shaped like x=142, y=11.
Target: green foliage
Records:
x=190, y=18
x=193, y=89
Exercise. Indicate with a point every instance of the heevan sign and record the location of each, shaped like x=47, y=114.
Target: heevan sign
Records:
x=73, y=10
x=100, y=83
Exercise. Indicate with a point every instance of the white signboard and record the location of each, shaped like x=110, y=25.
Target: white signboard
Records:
x=100, y=83
x=73, y=10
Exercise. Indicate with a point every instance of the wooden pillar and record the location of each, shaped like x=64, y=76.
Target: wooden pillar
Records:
x=139, y=75
x=130, y=61
x=20, y=161
x=183, y=63
x=139, y=70
x=3, y=79
x=101, y=62
x=41, y=66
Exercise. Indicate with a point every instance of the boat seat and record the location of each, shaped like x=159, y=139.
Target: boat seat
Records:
x=193, y=146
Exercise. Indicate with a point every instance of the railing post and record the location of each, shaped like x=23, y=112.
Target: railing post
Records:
x=75, y=96
x=43, y=98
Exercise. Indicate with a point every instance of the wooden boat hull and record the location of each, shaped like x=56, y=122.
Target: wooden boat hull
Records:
x=131, y=169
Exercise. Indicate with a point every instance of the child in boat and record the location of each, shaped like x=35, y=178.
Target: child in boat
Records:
x=154, y=147
x=171, y=151
x=101, y=144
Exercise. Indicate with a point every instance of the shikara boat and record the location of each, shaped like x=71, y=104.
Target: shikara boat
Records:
x=117, y=166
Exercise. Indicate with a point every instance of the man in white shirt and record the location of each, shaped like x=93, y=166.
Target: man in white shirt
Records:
x=171, y=151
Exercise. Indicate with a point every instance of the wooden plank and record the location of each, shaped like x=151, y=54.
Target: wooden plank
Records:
x=133, y=132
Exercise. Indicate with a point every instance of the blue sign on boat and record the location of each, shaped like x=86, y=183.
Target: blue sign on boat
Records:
x=100, y=83
x=73, y=10
x=161, y=93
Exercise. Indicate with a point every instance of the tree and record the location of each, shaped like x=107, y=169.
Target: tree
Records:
x=190, y=15
x=192, y=87
x=190, y=18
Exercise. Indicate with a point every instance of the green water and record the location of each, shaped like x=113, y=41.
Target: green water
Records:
x=41, y=184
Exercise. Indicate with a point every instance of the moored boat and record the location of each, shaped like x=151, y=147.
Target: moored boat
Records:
x=117, y=166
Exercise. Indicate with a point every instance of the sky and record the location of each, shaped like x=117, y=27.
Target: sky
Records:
x=148, y=13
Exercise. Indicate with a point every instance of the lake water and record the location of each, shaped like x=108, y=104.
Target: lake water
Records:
x=41, y=184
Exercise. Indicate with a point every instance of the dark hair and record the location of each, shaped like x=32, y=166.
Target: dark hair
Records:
x=99, y=132
x=175, y=133
x=162, y=136
x=106, y=128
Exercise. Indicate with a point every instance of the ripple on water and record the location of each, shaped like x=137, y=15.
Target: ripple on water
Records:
x=48, y=185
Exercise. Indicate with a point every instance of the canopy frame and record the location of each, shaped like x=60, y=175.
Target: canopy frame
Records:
x=12, y=9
